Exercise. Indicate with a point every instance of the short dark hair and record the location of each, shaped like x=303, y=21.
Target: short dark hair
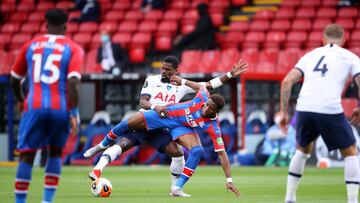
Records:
x=56, y=17
x=172, y=60
x=333, y=31
x=218, y=100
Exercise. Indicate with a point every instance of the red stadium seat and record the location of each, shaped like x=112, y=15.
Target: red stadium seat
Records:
x=301, y=25
x=295, y=39
x=217, y=18
x=123, y=39
x=241, y=26
x=357, y=24
x=251, y=56
x=348, y=12
x=128, y=26
x=173, y=14
x=347, y=23
x=137, y=54
x=141, y=39
x=10, y=28
x=259, y=25
x=210, y=61
x=30, y=28
x=26, y=7
x=326, y=12
x=44, y=6
x=8, y=7
x=290, y=3
x=95, y=41
x=163, y=42
x=133, y=15
x=238, y=2
x=232, y=40
x=195, y=3
x=65, y=4
x=19, y=17
x=264, y=15
x=180, y=4
x=227, y=59
x=330, y=3
x=91, y=66
x=305, y=12
x=18, y=40
x=5, y=63
x=83, y=39
x=88, y=27
x=191, y=15
x=4, y=41
x=153, y=15
x=72, y=28
x=219, y=4
x=281, y=25
x=37, y=17
x=267, y=61
x=114, y=16
x=121, y=5
x=110, y=26
x=74, y=14
x=274, y=39
x=187, y=27
x=285, y=13
x=319, y=24
x=287, y=60
x=189, y=61
x=314, y=40
x=168, y=27
x=310, y=3
x=147, y=26
x=253, y=39
x=355, y=39
x=136, y=4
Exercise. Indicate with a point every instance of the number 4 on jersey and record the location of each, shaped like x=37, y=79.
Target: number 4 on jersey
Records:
x=323, y=69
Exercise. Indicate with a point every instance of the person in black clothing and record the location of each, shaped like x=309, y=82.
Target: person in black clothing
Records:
x=112, y=57
x=90, y=11
x=202, y=38
x=147, y=5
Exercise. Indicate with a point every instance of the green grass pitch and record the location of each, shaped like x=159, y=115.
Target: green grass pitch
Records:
x=151, y=184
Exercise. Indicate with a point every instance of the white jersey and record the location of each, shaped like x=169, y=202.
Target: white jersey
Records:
x=163, y=93
x=325, y=72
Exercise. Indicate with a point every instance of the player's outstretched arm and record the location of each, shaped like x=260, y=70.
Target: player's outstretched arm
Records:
x=239, y=68
x=177, y=80
x=225, y=163
x=355, y=118
x=290, y=79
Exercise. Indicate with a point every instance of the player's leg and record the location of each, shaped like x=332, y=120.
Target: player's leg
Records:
x=192, y=142
x=135, y=122
x=125, y=143
x=306, y=133
x=52, y=173
x=351, y=172
x=23, y=175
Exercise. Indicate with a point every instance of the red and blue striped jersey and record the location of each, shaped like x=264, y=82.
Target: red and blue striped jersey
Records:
x=48, y=61
x=189, y=114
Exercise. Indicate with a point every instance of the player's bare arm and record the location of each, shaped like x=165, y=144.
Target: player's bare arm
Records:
x=290, y=79
x=355, y=118
x=16, y=89
x=225, y=164
x=177, y=80
x=145, y=104
x=239, y=68
x=73, y=91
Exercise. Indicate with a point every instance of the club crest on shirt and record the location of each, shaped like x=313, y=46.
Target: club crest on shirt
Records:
x=219, y=141
x=145, y=84
x=168, y=87
x=201, y=123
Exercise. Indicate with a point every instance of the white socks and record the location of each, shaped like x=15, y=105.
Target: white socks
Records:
x=352, y=178
x=176, y=168
x=296, y=169
x=108, y=156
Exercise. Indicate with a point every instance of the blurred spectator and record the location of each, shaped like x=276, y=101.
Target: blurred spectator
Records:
x=111, y=56
x=202, y=38
x=90, y=11
x=147, y=5
x=256, y=122
x=277, y=147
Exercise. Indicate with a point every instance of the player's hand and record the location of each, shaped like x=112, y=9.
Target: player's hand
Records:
x=355, y=117
x=175, y=80
x=161, y=110
x=74, y=126
x=283, y=121
x=239, y=68
x=231, y=187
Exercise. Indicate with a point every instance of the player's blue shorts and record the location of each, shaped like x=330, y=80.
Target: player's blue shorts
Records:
x=333, y=128
x=153, y=121
x=158, y=138
x=40, y=128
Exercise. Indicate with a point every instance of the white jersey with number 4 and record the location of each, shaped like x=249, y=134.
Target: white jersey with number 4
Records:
x=163, y=93
x=325, y=70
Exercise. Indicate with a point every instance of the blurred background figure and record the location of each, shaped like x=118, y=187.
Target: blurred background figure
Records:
x=90, y=11
x=202, y=38
x=112, y=57
x=147, y=5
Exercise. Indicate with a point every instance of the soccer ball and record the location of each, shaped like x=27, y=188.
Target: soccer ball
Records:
x=101, y=187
